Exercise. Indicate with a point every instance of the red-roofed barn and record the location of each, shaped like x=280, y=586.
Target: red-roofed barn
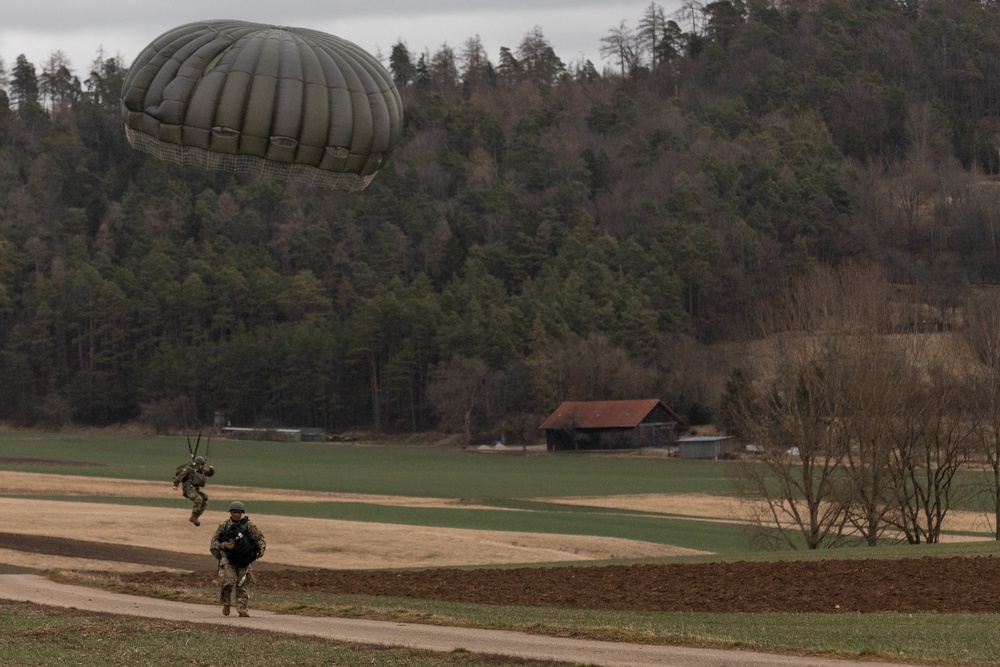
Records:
x=578, y=425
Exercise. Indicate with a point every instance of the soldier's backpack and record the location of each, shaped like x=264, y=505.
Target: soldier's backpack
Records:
x=245, y=547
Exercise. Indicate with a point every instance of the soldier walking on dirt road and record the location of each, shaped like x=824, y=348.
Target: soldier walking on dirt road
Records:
x=237, y=543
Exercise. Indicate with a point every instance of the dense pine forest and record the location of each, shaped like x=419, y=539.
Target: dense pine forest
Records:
x=545, y=231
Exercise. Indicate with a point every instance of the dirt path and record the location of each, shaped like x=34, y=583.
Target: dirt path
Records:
x=30, y=588
x=294, y=542
x=297, y=542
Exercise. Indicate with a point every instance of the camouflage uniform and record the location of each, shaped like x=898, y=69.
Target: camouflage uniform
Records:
x=231, y=577
x=191, y=478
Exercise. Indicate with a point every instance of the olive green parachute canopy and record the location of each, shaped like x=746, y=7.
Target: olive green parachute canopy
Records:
x=285, y=103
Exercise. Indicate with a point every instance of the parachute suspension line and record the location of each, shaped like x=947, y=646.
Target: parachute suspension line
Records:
x=193, y=452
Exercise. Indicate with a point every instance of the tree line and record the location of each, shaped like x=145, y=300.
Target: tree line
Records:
x=543, y=232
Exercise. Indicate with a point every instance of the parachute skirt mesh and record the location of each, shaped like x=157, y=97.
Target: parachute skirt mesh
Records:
x=199, y=157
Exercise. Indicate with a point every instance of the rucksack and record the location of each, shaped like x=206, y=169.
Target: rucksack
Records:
x=245, y=547
x=182, y=467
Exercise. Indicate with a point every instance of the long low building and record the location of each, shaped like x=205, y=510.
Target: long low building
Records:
x=706, y=447
x=275, y=434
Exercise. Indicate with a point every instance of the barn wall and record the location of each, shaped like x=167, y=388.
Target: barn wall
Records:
x=605, y=439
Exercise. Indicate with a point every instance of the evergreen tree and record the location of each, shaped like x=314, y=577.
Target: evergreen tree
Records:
x=24, y=86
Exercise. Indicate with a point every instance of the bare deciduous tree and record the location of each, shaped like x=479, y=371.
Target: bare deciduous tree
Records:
x=456, y=393
x=587, y=370
x=982, y=331
x=931, y=441
x=476, y=67
x=623, y=46
x=444, y=70
x=652, y=27
x=792, y=488
x=796, y=485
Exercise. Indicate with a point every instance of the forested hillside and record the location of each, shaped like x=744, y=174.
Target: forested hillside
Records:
x=543, y=232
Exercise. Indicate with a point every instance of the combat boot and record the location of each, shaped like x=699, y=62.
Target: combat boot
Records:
x=194, y=519
x=243, y=613
x=225, y=610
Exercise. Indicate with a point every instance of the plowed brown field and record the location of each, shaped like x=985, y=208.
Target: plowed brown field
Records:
x=909, y=585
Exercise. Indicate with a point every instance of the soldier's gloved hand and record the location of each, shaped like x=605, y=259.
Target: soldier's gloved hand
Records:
x=260, y=554
x=226, y=545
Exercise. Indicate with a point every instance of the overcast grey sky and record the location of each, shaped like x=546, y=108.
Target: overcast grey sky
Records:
x=80, y=28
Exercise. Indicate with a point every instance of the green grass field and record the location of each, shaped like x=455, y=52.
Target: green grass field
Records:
x=503, y=482
x=380, y=468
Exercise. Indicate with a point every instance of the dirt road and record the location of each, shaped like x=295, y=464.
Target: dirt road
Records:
x=38, y=590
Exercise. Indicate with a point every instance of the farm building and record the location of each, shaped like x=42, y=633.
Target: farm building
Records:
x=706, y=447
x=580, y=425
x=275, y=434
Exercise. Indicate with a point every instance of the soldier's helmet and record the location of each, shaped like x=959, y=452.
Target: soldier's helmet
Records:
x=199, y=460
x=236, y=505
